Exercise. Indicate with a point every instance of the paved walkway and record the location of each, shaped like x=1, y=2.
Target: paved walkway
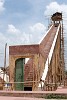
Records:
x=19, y=98
x=62, y=90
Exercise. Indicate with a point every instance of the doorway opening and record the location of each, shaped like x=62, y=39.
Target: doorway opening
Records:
x=27, y=88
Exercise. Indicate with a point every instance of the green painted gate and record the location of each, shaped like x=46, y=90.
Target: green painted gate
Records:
x=19, y=73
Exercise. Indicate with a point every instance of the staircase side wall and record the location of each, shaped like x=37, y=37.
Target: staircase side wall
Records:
x=55, y=71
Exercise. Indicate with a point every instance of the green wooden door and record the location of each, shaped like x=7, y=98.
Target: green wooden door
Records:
x=19, y=73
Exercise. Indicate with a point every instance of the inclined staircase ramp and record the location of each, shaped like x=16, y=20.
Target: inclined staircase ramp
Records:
x=52, y=42
x=47, y=43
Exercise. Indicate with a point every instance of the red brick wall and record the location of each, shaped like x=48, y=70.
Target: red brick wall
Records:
x=23, y=49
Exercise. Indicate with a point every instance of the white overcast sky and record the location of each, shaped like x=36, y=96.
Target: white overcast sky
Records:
x=25, y=21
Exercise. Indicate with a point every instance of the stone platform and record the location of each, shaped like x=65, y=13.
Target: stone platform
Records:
x=33, y=94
